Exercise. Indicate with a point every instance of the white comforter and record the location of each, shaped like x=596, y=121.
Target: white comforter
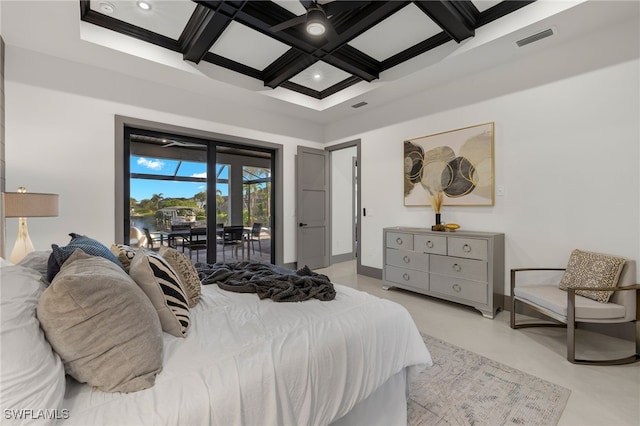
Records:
x=247, y=361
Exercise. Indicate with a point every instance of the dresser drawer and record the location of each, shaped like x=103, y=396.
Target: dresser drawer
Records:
x=430, y=244
x=408, y=277
x=399, y=240
x=460, y=289
x=457, y=267
x=407, y=259
x=467, y=247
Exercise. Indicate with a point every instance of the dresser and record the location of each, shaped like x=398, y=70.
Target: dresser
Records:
x=463, y=266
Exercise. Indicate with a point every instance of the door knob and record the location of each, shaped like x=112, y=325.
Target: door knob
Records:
x=302, y=224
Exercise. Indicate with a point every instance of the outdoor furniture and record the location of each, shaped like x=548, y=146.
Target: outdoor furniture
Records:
x=197, y=241
x=136, y=237
x=179, y=232
x=578, y=303
x=150, y=239
x=232, y=236
x=254, y=235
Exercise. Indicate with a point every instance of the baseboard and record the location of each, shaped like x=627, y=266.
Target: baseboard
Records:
x=345, y=257
x=290, y=265
x=370, y=271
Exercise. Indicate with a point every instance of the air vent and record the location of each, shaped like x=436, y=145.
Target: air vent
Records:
x=535, y=37
x=359, y=104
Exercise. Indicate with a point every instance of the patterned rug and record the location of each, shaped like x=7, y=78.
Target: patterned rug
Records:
x=464, y=388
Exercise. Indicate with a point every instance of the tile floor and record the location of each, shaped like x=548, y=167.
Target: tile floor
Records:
x=602, y=396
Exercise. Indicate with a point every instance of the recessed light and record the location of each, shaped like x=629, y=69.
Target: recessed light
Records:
x=106, y=7
x=317, y=76
x=144, y=5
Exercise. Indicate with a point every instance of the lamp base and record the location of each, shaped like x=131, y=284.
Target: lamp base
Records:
x=23, y=245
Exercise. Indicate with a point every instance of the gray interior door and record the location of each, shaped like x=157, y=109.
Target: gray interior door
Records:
x=312, y=207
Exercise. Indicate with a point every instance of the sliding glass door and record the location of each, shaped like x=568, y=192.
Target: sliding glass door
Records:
x=170, y=200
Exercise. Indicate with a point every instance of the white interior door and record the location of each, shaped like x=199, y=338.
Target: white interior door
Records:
x=312, y=207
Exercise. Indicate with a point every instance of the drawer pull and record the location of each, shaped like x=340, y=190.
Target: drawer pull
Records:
x=406, y=276
x=457, y=267
x=430, y=244
x=399, y=241
x=406, y=259
x=466, y=248
x=456, y=288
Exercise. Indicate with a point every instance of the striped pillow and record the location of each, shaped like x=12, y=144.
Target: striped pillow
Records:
x=163, y=287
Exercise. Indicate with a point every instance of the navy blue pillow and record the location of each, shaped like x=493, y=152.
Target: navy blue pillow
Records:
x=86, y=244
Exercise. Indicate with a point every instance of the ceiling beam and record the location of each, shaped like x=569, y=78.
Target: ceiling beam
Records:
x=264, y=15
x=455, y=18
x=205, y=26
x=286, y=67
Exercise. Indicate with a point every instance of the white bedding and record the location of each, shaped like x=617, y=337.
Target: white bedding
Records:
x=247, y=361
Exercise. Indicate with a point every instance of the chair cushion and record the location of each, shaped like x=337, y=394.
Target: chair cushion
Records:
x=554, y=299
x=586, y=269
x=162, y=286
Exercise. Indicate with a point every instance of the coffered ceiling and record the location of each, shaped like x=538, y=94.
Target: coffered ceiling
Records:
x=268, y=41
x=394, y=60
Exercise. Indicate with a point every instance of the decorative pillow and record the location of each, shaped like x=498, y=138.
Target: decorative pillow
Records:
x=161, y=284
x=186, y=272
x=102, y=325
x=37, y=260
x=124, y=254
x=32, y=375
x=586, y=269
x=88, y=245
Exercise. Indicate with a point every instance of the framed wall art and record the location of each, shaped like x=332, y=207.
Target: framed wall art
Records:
x=455, y=167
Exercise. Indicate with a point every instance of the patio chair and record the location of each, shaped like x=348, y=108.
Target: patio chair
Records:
x=197, y=241
x=233, y=236
x=254, y=236
x=150, y=239
x=136, y=237
x=184, y=229
x=590, y=278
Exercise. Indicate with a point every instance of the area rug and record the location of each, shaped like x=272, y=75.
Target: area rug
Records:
x=464, y=388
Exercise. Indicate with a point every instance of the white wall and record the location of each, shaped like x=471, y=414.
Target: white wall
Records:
x=60, y=139
x=342, y=200
x=567, y=153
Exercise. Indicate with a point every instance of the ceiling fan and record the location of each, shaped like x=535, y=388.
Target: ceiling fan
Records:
x=183, y=144
x=317, y=18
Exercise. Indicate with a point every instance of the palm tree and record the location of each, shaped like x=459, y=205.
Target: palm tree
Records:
x=156, y=199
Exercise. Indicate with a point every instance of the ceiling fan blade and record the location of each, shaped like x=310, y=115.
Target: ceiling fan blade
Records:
x=331, y=34
x=338, y=6
x=183, y=144
x=307, y=3
x=290, y=23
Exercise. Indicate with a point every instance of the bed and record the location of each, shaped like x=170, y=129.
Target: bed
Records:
x=244, y=361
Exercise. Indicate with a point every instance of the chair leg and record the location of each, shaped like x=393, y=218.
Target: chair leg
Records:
x=571, y=339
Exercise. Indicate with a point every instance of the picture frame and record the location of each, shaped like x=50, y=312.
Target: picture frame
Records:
x=457, y=165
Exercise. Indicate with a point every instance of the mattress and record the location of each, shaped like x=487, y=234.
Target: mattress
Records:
x=247, y=361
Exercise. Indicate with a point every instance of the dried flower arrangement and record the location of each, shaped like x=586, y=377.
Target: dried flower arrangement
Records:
x=436, y=201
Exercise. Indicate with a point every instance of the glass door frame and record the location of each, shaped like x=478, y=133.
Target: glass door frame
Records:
x=122, y=175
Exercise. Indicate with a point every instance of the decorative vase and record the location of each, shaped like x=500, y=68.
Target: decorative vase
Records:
x=438, y=219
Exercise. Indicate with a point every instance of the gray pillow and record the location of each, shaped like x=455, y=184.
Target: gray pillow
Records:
x=102, y=325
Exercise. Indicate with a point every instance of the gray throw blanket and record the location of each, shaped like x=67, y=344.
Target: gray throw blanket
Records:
x=268, y=281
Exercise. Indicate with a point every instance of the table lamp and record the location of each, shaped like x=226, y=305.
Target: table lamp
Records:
x=22, y=205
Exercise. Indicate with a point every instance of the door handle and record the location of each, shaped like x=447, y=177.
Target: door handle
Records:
x=302, y=224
